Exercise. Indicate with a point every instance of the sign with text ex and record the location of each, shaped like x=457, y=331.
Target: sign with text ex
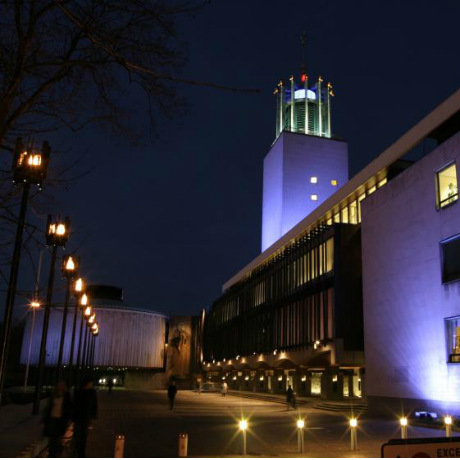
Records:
x=422, y=448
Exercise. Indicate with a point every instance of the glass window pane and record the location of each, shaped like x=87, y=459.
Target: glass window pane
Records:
x=344, y=213
x=447, y=186
x=451, y=260
x=353, y=213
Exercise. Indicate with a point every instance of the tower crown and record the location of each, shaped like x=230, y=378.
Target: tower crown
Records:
x=302, y=108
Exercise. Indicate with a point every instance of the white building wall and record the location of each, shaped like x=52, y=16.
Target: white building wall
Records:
x=287, y=189
x=405, y=302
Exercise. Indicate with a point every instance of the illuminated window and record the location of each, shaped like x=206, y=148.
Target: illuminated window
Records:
x=329, y=221
x=353, y=213
x=382, y=182
x=453, y=339
x=329, y=254
x=344, y=214
x=372, y=190
x=314, y=197
x=451, y=259
x=334, y=182
x=337, y=218
x=313, y=180
x=446, y=185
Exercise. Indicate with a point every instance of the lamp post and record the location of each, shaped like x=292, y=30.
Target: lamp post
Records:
x=91, y=321
x=57, y=234
x=94, y=333
x=69, y=271
x=88, y=311
x=78, y=287
x=34, y=305
x=84, y=304
x=29, y=167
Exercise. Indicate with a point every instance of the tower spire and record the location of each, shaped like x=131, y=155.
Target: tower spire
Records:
x=303, y=40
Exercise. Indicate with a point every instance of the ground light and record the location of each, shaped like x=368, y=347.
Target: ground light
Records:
x=403, y=423
x=300, y=435
x=353, y=434
x=448, y=423
x=243, y=424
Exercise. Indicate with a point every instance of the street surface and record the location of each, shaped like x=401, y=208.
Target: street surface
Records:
x=211, y=422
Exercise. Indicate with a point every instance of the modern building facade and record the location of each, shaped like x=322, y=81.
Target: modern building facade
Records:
x=294, y=315
x=411, y=269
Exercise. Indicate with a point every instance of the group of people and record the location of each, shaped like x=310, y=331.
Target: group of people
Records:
x=61, y=411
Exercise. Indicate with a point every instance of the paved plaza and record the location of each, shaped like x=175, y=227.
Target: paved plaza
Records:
x=210, y=420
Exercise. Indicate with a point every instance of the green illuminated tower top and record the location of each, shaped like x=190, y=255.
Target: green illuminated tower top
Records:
x=302, y=108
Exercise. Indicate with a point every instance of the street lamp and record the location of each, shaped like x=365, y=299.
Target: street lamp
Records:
x=57, y=234
x=77, y=289
x=29, y=167
x=94, y=332
x=86, y=312
x=69, y=268
x=34, y=305
x=90, y=322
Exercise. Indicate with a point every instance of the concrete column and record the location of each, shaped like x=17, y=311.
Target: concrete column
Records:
x=281, y=106
x=307, y=121
x=277, y=94
x=328, y=101
x=320, y=108
x=293, y=126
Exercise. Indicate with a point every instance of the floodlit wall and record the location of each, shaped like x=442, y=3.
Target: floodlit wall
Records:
x=405, y=300
x=289, y=192
x=127, y=338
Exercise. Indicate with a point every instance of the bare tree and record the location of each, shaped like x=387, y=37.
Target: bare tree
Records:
x=66, y=63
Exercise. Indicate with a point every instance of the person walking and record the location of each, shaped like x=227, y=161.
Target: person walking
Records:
x=289, y=397
x=85, y=410
x=56, y=417
x=172, y=390
x=224, y=389
x=110, y=384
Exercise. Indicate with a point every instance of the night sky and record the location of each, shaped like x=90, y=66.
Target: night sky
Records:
x=172, y=219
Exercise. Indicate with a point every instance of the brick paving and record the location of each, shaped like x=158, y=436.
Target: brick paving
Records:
x=152, y=430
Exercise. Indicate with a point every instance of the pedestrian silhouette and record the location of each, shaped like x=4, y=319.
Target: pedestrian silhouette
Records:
x=172, y=390
x=289, y=397
x=85, y=410
x=56, y=417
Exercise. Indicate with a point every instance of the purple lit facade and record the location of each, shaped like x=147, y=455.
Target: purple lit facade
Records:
x=407, y=306
x=300, y=172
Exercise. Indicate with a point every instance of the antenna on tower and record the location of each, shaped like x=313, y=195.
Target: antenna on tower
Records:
x=303, y=39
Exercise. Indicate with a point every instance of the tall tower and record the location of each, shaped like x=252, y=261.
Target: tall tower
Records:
x=305, y=164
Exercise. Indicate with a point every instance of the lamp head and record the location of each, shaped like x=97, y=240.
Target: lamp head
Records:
x=29, y=164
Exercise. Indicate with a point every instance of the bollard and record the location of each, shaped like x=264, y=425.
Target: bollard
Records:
x=300, y=436
x=403, y=422
x=448, y=422
x=353, y=435
x=243, y=427
x=119, y=446
x=183, y=444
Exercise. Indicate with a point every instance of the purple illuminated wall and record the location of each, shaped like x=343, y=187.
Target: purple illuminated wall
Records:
x=127, y=338
x=288, y=167
x=405, y=302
